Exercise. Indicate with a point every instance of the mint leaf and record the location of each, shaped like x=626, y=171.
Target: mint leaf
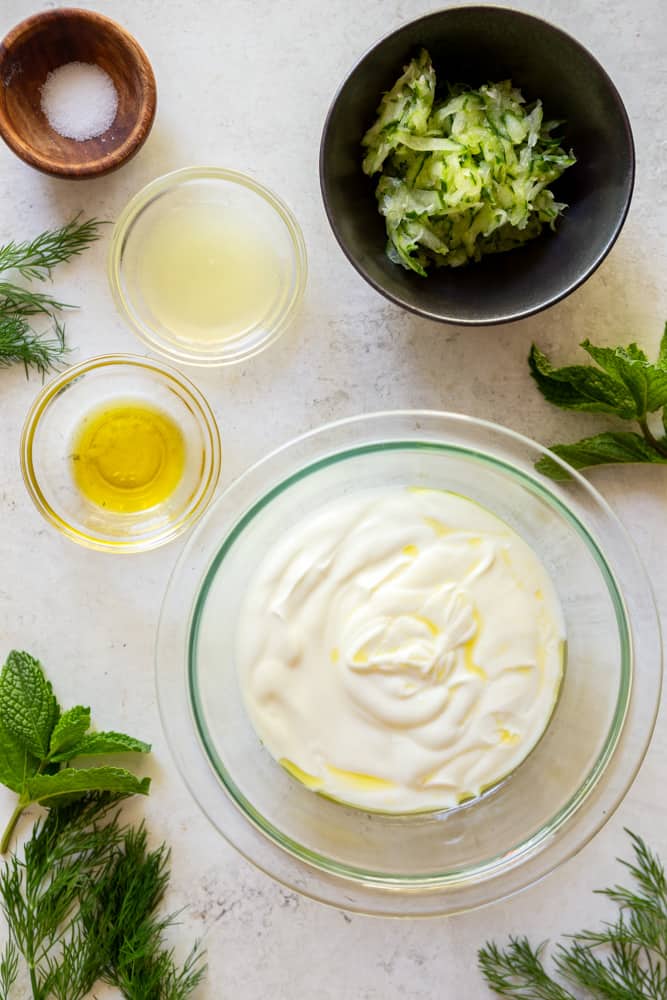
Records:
x=28, y=707
x=581, y=387
x=69, y=730
x=97, y=743
x=51, y=787
x=35, y=740
x=662, y=350
x=646, y=383
x=16, y=763
x=620, y=446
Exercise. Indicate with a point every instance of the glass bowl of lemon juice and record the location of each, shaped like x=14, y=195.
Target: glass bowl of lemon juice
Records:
x=207, y=266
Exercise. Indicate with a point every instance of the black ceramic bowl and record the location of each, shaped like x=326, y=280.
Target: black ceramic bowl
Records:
x=475, y=45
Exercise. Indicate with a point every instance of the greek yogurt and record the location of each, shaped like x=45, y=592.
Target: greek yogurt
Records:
x=400, y=650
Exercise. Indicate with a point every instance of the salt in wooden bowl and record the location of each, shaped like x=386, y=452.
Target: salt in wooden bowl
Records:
x=37, y=47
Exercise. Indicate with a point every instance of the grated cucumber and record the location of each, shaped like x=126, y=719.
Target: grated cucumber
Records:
x=462, y=178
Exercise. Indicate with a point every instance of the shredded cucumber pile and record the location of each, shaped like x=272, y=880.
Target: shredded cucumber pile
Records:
x=461, y=178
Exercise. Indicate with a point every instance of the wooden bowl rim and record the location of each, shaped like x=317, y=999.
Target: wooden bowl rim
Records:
x=85, y=169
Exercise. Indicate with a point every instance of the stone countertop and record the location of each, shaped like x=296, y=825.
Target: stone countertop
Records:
x=247, y=85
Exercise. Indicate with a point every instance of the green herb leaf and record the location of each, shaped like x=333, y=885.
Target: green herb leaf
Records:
x=581, y=387
x=34, y=260
x=646, y=383
x=28, y=706
x=602, y=449
x=518, y=972
x=20, y=343
x=40, y=895
x=9, y=969
x=128, y=931
x=99, y=743
x=26, y=302
x=625, y=960
x=50, y=787
x=69, y=730
x=626, y=384
x=662, y=350
x=82, y=909
x=16, y=763
x=35, y=739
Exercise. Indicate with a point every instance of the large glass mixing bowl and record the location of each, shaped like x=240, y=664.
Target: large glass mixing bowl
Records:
x=518, y=831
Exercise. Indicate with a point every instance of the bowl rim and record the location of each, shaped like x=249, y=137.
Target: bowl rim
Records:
x=146, y=109
x=517, y=314
x=365, y=895
x=166, y=373
x=165, y=184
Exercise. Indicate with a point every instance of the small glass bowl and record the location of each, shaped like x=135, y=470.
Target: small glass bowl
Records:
x=54, y=420
x=259, y=212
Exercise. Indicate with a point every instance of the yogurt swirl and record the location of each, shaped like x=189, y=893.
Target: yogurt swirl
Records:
x=400, y=650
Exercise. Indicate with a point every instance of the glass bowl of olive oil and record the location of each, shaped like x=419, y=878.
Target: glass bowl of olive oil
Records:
x=207, y=266
x=120, y=453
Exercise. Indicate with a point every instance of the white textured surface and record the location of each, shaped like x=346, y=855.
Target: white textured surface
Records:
x=247, y=85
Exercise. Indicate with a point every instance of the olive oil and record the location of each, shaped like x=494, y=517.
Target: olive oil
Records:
x=205, y=272
x=128, y=457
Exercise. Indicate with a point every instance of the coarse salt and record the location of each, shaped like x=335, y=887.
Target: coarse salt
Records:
x=79, y=100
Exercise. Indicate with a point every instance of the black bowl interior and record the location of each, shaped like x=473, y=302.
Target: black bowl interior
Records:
x=474, y=45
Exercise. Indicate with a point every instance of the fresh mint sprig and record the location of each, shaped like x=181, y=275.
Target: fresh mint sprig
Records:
x=38, y=741
x=622, y=383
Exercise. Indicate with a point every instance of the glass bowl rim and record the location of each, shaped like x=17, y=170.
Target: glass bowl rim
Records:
x=48, y=393
x=131, y=213
x=376, y=882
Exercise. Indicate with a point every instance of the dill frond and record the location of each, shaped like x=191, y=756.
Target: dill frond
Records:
x=625, y=960
x=518, y=972
x=35, y=259
x=20, y=343
x=18, y=301
x=9, y=968
x=83, y=908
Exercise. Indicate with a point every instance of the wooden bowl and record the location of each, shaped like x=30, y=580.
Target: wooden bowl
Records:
x=46, y=41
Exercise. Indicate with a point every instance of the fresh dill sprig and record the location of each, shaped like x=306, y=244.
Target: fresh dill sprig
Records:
x=518, y=972
x=128, y=931
x=25, y=302
x=40, y=895
x=625, y=960
x=34, y=260
x=20, y=343
x=9, y=968
x=82, y=908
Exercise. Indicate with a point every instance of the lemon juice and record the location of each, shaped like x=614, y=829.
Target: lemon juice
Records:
x=205, y=272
